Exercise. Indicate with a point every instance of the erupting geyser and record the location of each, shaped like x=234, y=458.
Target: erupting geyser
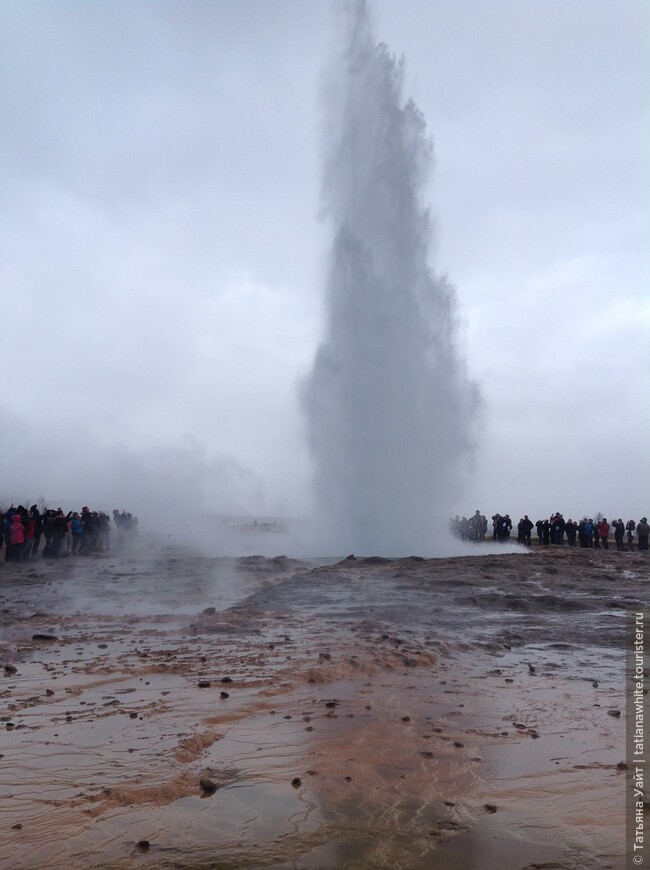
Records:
x=388, y=404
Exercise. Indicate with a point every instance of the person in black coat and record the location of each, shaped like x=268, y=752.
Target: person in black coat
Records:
x=619, y=533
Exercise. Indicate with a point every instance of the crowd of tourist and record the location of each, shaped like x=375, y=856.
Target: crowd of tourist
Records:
x=74, y=533
x=587, y=532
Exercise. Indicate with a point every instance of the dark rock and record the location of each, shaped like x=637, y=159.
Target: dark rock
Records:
x=406, y=718
x=143, y=845
x=224, y=694
x=209, y=611
x=595, y=684
x=226, y=679
x=296, y=782
x=44, y=637
x=331, y=704
x=458, y=744
x=133, y=715
x=324, y=656
x=621, y=766
x=17, y=827
x=208, y=786
x=102, y=646
x=10, y=669
x=204, y=684
x=449, y=825
x=490, y=808
x=615, y=713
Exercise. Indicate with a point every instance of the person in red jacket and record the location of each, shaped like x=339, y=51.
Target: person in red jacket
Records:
x=15, y=539
x=603, y=531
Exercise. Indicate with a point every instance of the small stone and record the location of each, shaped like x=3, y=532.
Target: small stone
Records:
x=209, y=611
x=449, y=803
x=143, y=845
x=296, y=782
x=490, y=808
x=204, y=684
x=324, y=656
x=426, y=754
x=615, y=713
x=102, y=646
x=17, y=827
x=509, y=680
x=226, y=679
x=458, y=744
x=43, y=637
x=621, y=766
x=208, y=786
x=595, y=684
x=224, y=695
x=406, y=718
x=330, y=704
x=10, y=669
x=133, y=715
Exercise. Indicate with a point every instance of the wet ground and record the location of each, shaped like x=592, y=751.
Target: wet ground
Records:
x=165, y=710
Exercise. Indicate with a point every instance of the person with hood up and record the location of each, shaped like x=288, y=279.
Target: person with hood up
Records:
x=630, y=525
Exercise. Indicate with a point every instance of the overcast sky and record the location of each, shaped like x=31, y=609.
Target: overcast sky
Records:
x=163, y=260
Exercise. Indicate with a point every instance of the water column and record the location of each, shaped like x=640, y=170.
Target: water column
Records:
x=388, y=404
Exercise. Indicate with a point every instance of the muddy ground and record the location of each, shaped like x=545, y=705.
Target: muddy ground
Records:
x=166, y=710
